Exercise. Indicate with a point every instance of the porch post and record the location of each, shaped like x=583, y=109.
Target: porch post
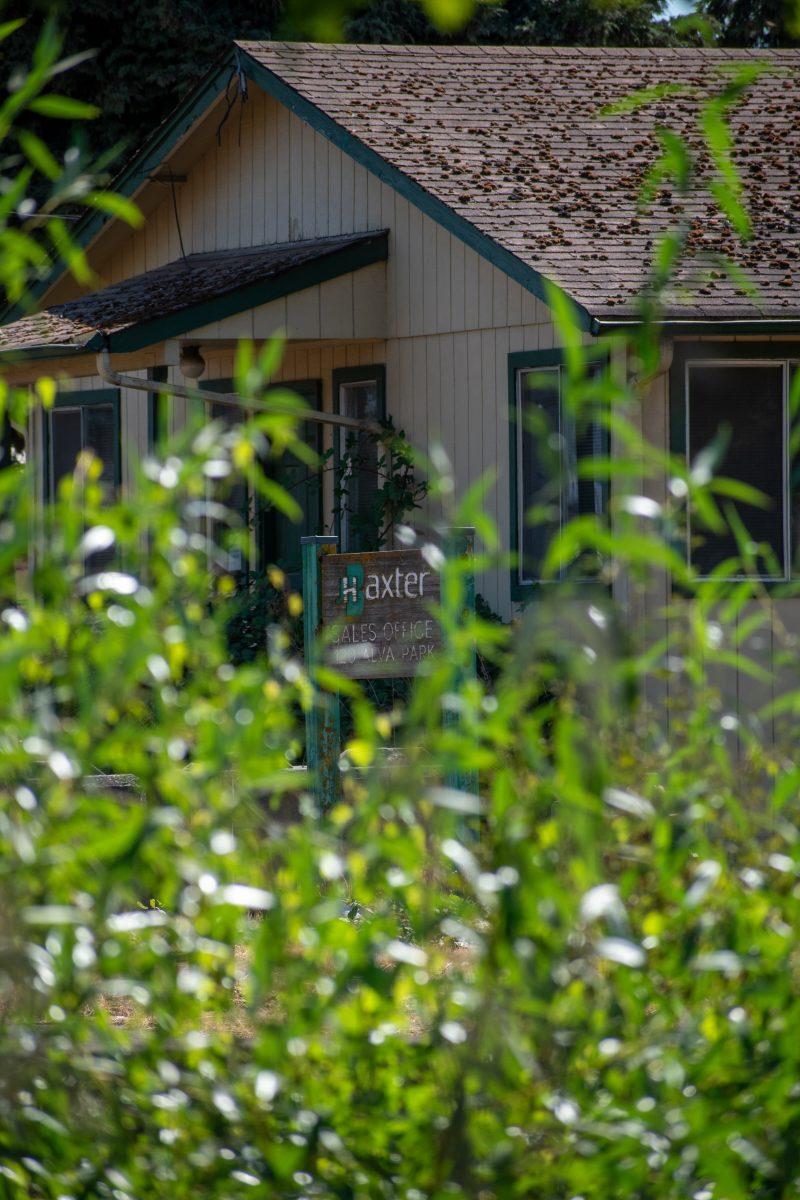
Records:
x=323, y=732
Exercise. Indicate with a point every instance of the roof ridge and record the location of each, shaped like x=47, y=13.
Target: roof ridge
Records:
x=458, y=48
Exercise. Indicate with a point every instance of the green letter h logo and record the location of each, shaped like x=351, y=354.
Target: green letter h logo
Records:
x=351, y=590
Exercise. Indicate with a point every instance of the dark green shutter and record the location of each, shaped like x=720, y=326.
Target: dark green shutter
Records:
x=279, y=537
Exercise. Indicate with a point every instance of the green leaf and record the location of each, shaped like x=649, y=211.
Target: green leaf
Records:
x=9, y=27
x=641, y=97
x=68, y=250
x=449, y=16
x=63, y=108
x=38, y=155
x=116, y=206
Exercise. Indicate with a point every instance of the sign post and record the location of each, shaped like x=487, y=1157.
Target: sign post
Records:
x=461, y=544
x=323, y=726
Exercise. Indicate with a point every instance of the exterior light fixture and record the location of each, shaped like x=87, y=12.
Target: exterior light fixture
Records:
x=192, y=363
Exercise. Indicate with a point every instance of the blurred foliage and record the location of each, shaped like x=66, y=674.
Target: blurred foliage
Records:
x=581, y=982
x=37, y=187
x=138, y=69
x=758, y=23
x=519, y=22
x=260, y=604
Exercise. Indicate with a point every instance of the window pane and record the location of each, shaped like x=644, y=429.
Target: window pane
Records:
x=65, y=442
x=359, y=457
x=90, y=427
x=747, y=401
x=589, y=497
x=540, y=465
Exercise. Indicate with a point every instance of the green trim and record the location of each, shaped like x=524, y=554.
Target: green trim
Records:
x=151, y=155
x=311, y=391
x=39, y=353
x=373, y=249
x=83, y=399
x=360, y=374
x=440, y=212
x=677, y=327
x=517, y=361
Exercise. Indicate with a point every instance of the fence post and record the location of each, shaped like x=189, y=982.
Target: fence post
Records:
x=460, y=543
x=323, y=731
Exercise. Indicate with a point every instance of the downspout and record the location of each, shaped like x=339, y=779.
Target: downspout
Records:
x=117, y=379
x=666, y=351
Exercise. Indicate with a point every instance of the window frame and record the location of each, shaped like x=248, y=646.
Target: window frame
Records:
x=343, y=375
x=742, y=355
x=81, y=399
x=520, y=362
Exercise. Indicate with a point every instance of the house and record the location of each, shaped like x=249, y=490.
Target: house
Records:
x=399, y=211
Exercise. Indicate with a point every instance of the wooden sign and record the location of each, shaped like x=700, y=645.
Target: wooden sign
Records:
x=376, y=612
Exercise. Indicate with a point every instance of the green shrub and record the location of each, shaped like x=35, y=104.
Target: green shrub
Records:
x=257, y=607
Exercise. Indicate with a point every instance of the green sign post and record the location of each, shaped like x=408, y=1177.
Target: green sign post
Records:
x=323, y=722
x=376, y=609
x=460, y=544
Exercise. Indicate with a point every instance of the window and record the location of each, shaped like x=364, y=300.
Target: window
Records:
x=84, y=421
x=739, y=391
x=359, y=392
x=547, y=444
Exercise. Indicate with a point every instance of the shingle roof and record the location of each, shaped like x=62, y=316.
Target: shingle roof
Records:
x=181, y=287
x=513, y=140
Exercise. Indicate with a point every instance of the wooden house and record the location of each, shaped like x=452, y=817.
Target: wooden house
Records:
x=399, y=212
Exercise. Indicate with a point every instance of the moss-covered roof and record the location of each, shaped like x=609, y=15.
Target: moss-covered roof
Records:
x=514, y=140
x=187, y=293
